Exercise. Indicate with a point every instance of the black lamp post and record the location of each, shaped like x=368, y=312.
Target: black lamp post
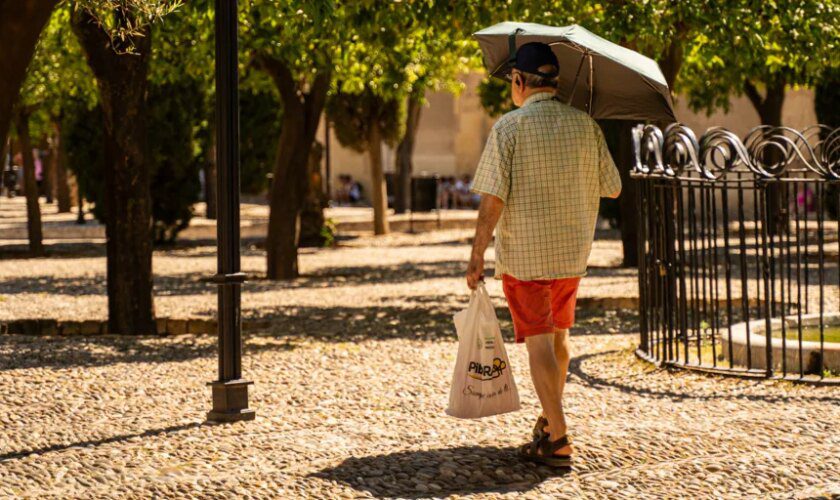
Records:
x=230, y=391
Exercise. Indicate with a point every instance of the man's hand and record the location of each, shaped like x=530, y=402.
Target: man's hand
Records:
x=475, y=271
x=488, y=215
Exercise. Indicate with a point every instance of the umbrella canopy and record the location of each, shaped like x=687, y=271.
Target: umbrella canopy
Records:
x=596, y=75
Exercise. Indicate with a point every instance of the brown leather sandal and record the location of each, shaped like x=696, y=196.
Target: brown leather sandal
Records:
x=539, y=427
x=542, y=450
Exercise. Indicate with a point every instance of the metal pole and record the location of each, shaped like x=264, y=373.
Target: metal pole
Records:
x=230, y=391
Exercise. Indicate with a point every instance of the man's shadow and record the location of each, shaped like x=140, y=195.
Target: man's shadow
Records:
x=442, y=472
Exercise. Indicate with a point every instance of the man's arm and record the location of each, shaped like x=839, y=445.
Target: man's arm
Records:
x=488, y=215
x=614, y=195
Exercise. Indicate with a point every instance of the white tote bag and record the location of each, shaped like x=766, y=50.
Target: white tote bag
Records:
x=483, y=382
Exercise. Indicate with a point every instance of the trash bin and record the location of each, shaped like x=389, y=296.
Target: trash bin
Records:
x=424, y=197
x=424, y=194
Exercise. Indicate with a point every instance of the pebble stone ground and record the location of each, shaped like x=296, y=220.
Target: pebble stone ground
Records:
x=351, y=380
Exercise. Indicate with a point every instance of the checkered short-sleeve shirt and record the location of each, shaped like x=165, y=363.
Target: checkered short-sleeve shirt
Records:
x=550, y=164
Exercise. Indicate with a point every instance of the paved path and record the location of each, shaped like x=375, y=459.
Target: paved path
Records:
x=360, y=413
x=253, y=215
x=390, y=273
x=351, y=382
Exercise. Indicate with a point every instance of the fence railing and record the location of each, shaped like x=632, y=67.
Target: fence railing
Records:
x=739, y=250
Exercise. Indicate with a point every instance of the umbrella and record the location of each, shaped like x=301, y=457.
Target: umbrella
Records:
x=596, y=75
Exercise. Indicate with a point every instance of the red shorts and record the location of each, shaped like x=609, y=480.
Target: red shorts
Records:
x=540, y=306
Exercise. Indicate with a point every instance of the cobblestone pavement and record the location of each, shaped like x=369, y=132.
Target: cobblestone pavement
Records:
x=351, y=381
x=356, y=415
x=397, y=271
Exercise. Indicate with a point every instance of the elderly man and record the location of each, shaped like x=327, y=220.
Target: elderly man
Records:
x=543, y=171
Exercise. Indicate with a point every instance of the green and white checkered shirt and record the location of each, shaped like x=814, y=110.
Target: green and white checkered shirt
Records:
x=550, y=164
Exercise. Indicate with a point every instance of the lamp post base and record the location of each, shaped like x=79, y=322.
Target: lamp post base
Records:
x=230, y=401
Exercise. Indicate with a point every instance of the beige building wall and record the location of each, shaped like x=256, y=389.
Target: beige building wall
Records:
x=797, y=112
x=453, y=130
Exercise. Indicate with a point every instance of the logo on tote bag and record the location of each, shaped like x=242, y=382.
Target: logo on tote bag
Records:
x=486, y=372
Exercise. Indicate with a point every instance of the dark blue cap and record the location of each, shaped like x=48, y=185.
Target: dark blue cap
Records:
x=532, y=55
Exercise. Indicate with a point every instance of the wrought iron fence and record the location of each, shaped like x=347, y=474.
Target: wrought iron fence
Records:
x=739, y=250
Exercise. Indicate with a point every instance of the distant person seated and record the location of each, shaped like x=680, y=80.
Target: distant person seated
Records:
x=342, y=191
x=355, y=193
x=466, y=199
x=446, y=192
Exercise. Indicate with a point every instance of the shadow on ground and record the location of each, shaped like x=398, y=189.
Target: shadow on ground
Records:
x=459, y=471
x=87, y=249
x=98, y=442
x=192, y=284
x=638, y=383
x=287, y=327
x=26, y=351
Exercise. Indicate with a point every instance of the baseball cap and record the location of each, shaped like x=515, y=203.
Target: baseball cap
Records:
x=531, y=56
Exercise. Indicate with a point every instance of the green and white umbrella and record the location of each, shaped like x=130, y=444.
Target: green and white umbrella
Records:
x=600, y=77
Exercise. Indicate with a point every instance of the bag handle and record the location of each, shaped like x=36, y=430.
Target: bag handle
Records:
x=481, y=291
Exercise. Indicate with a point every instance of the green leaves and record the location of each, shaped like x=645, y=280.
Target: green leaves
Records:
x=794, y=41
x=124, y=20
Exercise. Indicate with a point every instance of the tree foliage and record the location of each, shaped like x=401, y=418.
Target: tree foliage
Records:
x=175, y=113
x=260, y=116
x=755, y=44
x=353, y=115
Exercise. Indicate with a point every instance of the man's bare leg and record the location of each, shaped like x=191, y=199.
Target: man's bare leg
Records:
x=545, y=372
x=561, y=354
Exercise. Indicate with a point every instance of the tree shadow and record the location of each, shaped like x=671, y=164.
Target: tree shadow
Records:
x=364, y=275
x=63, y=250
x=283, y=328
x=443, y=472
x=13, y=455
x=26, y=351
x=192, y=284
x=625, y=385
x=430, y=320
x=185, y=248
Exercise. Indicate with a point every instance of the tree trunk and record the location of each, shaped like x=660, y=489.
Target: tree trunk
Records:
x=377, y=181
x=769, y=108
x=62, y=188
x=286, y=199
x=122, y=82
x=210, y=193
x=5, y=144
x=627, y=201
x=312, y=209
x=618, y=136
x=301, y=112
x=672, y=57
x=21, y=22
x=49, y=172
x=30, y=187
x=405, y=152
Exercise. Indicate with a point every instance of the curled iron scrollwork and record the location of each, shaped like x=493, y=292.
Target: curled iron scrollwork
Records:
x=765, y=152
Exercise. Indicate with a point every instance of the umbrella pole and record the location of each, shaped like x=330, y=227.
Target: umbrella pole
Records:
x=577, y=75
x=591, y=85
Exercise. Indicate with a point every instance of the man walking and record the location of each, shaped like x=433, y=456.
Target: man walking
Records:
x=543, y=171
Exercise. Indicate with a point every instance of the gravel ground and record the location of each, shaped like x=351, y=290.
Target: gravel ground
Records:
x=390, y=272
x=351, y=380
x=356, y=414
